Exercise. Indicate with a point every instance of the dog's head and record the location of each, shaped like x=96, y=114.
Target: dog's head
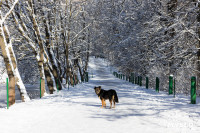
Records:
x=97, y=90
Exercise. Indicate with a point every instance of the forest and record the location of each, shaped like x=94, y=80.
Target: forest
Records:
x=52, y=40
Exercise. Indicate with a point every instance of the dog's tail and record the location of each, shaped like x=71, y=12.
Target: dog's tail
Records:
x=116, y=97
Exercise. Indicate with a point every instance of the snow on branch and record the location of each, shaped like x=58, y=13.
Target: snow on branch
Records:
x=9, y=12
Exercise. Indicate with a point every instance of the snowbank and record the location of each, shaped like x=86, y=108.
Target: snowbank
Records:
x=78, y=110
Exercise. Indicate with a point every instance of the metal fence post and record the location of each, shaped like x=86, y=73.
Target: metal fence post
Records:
x=193, y=90
x=157, y=84
x=147, y=82
x=170, y=85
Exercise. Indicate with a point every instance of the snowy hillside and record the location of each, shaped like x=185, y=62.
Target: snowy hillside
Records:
x=78, y=110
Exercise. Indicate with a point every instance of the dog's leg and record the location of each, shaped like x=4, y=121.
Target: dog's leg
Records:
x=113, y=98
x=102, y=101
x=110, y=103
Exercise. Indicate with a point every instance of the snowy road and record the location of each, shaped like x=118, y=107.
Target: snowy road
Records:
x=78, y=110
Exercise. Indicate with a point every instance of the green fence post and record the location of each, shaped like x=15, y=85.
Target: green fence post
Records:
x=135, y=80
x=57, y=85
x=170, y=85
x=82, y=79
x=40, y=88
x=132, y=78
x=86, y=78
x=174, y=88
x=147, y=82
x=77, y=79
x=7, y=93
x=68, y=85
x=73, y=81
x=157, y=84
x=140, y=81
x=193, y=90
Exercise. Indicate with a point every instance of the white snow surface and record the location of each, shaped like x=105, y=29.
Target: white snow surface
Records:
x=78, y=110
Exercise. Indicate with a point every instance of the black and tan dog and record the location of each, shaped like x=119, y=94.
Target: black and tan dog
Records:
x=106, y=94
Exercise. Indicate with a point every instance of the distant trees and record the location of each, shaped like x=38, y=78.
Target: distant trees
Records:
x=150, y=38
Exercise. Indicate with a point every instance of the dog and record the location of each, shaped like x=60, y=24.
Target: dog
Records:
x=106, y=94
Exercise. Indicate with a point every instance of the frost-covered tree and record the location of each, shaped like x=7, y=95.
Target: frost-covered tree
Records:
x=9, y=56
x=52, y=42
x=149, y=38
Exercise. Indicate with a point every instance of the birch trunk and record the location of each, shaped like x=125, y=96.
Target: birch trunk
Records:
x=49, y=79
x=40, y=58
x=84, y=38
x=21, y=87
x=46, y=72
x=51, y=56
x=80, y=69
x=68, y=73
x=9, y=66
x=87, y=57
x=18, y=80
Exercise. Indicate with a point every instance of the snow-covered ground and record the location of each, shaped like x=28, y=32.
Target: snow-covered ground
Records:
x=77, y=110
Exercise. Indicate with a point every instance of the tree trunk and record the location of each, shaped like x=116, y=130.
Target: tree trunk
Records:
x=84, y=38
x=11, y=90
x=40, y=58
x=198, y=46
x=22, y=89
x=68, y=73
x=87, y=58
x=51, y=56
x=171, y=8
x=9, y=67
x=49, y=79
x=80, y=70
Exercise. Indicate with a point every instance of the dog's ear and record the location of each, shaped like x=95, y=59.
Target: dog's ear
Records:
x=100, y=87
x=95, y=87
